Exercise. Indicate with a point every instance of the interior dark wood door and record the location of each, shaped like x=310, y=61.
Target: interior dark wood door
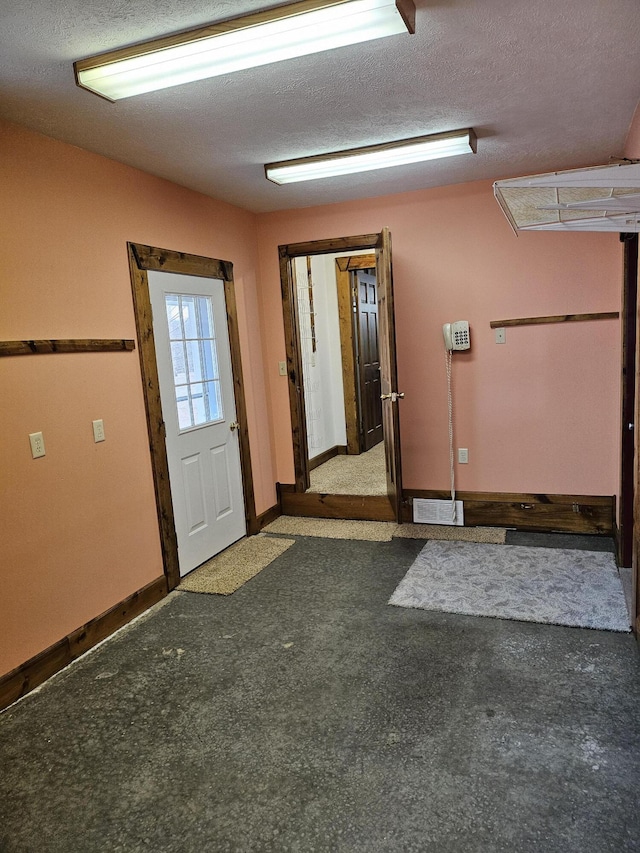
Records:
x=368, y=359
x=389, y=370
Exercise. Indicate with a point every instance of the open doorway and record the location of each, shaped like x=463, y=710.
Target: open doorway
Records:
x=338, y=333
x=341, y=359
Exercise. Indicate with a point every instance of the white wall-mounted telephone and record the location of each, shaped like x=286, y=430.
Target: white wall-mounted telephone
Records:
x=456, y=335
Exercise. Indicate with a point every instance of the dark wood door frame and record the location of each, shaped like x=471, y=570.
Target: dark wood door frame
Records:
x=628, y=419
x=287, y=255
x=389, y=371
x=142, y=259
x=290, y=310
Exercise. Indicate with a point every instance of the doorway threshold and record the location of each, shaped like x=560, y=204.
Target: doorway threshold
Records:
x=320, y=505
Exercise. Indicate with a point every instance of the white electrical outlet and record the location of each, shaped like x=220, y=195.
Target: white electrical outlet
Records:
x=501, y=335
x=37, y=444
x=463, y=455
x=98, y=430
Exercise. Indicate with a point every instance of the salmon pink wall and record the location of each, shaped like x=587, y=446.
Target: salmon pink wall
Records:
x=79, y=526
x=538, y=414
x=632, y=143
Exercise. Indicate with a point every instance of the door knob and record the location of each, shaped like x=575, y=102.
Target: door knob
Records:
x=234, y=426
x=394, y=396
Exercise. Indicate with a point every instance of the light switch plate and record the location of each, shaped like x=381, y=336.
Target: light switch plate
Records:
x=98, y=430
x=282, y=368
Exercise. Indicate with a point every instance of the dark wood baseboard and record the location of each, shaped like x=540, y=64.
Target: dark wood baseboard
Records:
x=34, y=672
x=326, y=455
x=584, y=514
x=316, y=505
x=269, y=515
x=591, y=514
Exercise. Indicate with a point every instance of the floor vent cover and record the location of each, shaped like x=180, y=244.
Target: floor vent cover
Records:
x=437, y=512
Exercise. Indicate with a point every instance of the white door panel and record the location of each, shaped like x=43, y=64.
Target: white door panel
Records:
x=198, y=407
x=221, y=481
x=193, y=485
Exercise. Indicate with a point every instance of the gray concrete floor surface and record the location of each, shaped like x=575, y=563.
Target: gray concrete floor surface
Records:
x=303, y=713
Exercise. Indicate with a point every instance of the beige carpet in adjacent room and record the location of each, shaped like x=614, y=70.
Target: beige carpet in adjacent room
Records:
x=228, y=571
x=490, y=535
x=381, y=531
x=333, y=528
x=361, y=474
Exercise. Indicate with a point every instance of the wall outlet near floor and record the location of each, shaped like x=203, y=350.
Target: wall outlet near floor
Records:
x=37, y=444
x=463, y=455
x=501, y=335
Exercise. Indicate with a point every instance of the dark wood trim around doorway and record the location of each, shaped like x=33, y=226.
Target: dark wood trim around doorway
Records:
x=628, y=393
x=142, y=259
x=290, y=314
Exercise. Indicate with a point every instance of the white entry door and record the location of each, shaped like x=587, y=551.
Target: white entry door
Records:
x=198, y=406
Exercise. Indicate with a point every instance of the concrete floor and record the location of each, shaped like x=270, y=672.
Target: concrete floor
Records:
x=303, y=713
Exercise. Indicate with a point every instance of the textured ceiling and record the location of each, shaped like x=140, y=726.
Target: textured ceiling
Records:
x=547, y=85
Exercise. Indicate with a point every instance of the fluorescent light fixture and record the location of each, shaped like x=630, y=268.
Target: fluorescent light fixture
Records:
x=297, y=29
x=372, y=157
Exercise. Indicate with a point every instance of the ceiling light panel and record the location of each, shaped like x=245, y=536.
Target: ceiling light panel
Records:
x=372, y=157
x=598, y=198
x=283, y=33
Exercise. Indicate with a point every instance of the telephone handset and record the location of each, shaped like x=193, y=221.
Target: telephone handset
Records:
x=456, y=335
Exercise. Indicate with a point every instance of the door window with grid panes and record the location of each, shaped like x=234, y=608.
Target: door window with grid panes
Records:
x=195, y=360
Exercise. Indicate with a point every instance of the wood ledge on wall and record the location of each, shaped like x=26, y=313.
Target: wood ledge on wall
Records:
x=554, y=318
x=68, y=345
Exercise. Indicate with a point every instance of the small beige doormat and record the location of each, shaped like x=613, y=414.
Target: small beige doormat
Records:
x=228, y=571
x=490, y=535
x=381, y=531
x=333, y=528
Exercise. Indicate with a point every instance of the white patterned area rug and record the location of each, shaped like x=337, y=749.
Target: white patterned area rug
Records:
x=554, y=585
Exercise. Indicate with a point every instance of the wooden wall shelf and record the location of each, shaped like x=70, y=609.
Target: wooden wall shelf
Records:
x=557, y=318
x=70, y=345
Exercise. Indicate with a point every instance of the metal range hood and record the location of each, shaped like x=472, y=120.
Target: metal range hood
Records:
x=599, y=198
